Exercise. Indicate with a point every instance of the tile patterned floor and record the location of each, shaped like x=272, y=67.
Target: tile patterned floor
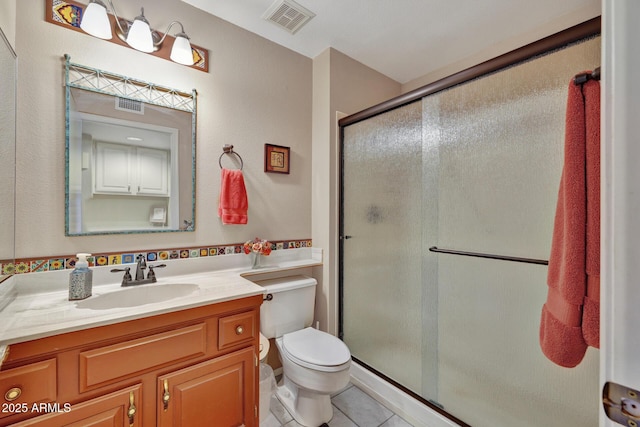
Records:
x=351, y=408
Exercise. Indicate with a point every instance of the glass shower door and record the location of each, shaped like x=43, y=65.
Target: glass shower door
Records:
x=472, y=168
x=383, y=237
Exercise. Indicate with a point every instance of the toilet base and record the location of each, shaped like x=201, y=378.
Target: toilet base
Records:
x=310, y=409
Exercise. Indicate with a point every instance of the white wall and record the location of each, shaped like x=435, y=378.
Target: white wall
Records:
x=255, y=92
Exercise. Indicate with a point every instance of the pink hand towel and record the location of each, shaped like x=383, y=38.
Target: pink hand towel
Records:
x=233, y=197
x=571, y=315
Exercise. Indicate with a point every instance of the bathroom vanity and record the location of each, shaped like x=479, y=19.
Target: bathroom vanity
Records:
x=187, y=360
x=175, y=369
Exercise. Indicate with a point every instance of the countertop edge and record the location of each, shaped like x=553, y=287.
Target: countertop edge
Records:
x=16, y=328
x=126, y=317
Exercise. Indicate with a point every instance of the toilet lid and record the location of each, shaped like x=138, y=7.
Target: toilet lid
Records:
x=316, y=347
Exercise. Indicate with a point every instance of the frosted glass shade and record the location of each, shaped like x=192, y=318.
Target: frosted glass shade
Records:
x=95, y=20
x=139, y=36
x=181, y=50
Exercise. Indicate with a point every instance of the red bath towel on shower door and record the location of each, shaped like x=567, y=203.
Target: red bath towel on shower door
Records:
x=571, y=315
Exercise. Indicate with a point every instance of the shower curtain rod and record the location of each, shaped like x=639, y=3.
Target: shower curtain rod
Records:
x=492, y=256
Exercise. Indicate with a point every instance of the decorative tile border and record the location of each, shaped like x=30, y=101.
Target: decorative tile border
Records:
x=62, y=262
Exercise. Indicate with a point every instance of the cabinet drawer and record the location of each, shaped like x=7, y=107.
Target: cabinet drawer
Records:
x=236, y=329
x=28, y=384
x=107, y=364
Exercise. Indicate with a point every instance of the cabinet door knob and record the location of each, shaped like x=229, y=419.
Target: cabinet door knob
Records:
x=239, y=330
x=12, y=394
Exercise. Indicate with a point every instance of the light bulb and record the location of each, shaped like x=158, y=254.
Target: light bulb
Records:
x=95, y=20
x=139, y=34
x=181, y=50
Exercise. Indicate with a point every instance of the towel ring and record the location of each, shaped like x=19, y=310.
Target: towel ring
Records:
x=228, y=149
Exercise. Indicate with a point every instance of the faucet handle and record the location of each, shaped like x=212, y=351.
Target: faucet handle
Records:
x=158, y=266
x=127, y=274
x=151, y=274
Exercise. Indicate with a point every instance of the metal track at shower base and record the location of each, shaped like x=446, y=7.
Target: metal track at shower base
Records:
x=435, y=406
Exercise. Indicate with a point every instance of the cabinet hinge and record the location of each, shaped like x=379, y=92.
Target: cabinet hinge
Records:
x=255, y=359
x=255, y=411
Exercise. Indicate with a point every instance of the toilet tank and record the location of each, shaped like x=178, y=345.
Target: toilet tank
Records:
x=291, y=306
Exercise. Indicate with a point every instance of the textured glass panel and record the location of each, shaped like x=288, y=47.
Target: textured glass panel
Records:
x=501, y=145
x=382, y=213
x=464, y=331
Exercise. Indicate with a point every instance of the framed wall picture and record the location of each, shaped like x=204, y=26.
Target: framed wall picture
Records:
x=276, y=158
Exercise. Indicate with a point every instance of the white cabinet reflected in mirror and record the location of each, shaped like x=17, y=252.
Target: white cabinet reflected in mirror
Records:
x=130, y=155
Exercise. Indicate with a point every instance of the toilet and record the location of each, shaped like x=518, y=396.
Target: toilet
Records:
x=315, y=364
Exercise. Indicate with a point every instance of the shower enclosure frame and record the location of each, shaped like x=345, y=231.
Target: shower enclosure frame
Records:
x=559, y=40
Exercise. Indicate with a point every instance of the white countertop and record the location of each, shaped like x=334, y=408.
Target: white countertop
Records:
x=40, y=305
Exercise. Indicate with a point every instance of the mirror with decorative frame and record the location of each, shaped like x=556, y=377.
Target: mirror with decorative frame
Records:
x=130, y=154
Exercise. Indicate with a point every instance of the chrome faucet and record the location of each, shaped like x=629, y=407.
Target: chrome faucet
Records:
x=141, y=265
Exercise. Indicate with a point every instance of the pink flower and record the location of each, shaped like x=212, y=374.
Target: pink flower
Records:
x=258, y=246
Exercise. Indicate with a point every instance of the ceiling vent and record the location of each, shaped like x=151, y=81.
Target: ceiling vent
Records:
x=130, y=105
x=288, y=15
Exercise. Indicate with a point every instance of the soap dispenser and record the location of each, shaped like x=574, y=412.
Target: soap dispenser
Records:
x=80, y=279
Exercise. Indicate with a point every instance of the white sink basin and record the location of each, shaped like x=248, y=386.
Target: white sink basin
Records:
x=138, y=295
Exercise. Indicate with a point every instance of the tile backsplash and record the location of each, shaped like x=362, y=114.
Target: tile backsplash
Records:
x=62, y=262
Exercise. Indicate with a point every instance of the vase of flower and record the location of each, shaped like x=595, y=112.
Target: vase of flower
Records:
x=257, y=260
x=257, y=248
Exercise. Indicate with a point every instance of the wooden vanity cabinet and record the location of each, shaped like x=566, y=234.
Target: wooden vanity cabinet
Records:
x=194, y=367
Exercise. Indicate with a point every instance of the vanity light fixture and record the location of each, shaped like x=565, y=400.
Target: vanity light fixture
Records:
x=137, y=34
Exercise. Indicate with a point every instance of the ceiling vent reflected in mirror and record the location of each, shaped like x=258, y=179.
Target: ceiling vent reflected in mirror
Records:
x=130, y=105
x=288, y=15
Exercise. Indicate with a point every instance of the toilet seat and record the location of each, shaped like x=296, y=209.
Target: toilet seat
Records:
x=317, y=350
